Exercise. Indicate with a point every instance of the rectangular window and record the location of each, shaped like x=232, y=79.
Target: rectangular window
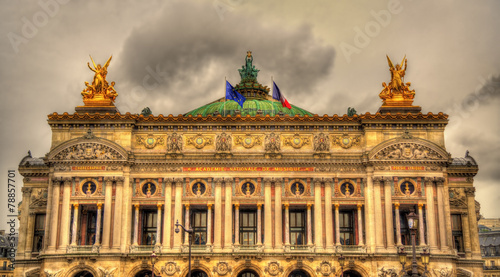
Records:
x=39, y=232
x=297, y=227
x=149, y=220
x=199, y=226
x=346, y=224
x=456, y=231
x=91, y=222
x=248, y=227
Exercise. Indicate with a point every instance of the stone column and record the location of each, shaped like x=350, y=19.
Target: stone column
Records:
x=466, y=236
x=287, y=225
x=24, y=232
x=107, y=212
x=54, y=216
x=209, y=224
x=268, y=225
x=328, y=214
x=360, y=226
x=167, y=216
x=126, y=217
x=431, y=214
x=318, y=215
x=369, y=211
x=421, y=233
x=117, y=217
x=309, y=226
x=48, y=215
x=65, y=214
x=259, y=224
x=179, y=182
x=441, y=216
x=228, y=214
x=98, y=225
x=398, y=224
x=471, y=209
x=278, y=216
x=389, y=227
x=187, y=224
x=236, y=224
x=136, y=224
x=75, y=224
x=158, y=225
x=379, y=222
x=337, y=224
x=218, y=214
x=29, y=239
x=447, y=210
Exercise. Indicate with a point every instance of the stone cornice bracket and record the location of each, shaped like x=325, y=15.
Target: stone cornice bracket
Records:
x=470, y=191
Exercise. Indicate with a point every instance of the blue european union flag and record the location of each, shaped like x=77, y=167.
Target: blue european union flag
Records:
x=232, y=94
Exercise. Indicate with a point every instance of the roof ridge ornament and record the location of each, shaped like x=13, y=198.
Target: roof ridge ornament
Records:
x=248, y=72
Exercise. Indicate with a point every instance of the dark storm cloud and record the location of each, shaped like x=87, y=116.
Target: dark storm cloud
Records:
x=189, y=43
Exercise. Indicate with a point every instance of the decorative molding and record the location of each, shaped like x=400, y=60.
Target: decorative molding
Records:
x=325, y=268
x=174, y=143
x=273, y=268
x=199, y=141
x=296, y=141
x=170, y=268
x=222, y=268
x=150, y=141
x=89, y=151
x=223, y=143
x=346, y=141
x=248, y=141
x=321, y=143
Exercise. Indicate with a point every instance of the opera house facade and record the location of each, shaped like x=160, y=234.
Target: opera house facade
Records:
x=264, y=189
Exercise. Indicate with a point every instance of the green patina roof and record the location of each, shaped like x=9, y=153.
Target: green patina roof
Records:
x=257, y=98
x=250, y=107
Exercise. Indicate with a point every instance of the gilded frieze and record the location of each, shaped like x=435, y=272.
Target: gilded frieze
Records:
x=346, y=141
x=150, y=141
x=199, y=141
x=296, y=141
x=248, y=141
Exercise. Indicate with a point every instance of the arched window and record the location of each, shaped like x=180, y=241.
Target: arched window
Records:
x=298, y=273
x=198, y=273
x=248, y=273
x=84, y=274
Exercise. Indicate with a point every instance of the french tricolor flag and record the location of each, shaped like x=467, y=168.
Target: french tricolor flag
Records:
x=278, y=96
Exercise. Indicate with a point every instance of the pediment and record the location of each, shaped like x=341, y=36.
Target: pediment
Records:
x=408, y=149
x=88, y=149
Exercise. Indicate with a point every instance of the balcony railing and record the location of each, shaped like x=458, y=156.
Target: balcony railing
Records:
x=83, y=249
x=357, y=249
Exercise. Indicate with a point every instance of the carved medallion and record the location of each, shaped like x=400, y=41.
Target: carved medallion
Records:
x=345, y=141
x=198, y=189
x=347, y=189
x=88, y=188
x=199, y=141
x=296, y=141
x=222, y=268
x=170, y=268
x=325, y=268
x=248, y=188
x=149, y=189
x=247, y=141
x=273, y=268
x=406, y=187
x=150, y=141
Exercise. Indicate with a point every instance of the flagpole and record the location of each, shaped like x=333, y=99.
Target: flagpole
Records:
x=225, y=88
x=272, y=102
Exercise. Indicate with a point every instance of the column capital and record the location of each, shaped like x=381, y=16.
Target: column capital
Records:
x=440, y=181
x=209, y=206
x=259, y=206
x=75, y=205
x=178, y=182
x=218, y=181
x=420, y=205
x=377, y=180
x=286, y=205
x=136, y=207
x=428, y=180
x=387, y=180
x=336, y=206
x=159, y=205
x=99, y=206
x=186, y=205
x=237, y=205
x=309, y=206
x=470, y=191
x=396, y=205
x=360, y=206
x=67, y=181
x=168, y=181
x=464, y=214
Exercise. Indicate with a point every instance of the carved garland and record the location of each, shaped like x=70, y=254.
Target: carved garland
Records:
x=199, y=141
x=296, y=141
x=248, y=141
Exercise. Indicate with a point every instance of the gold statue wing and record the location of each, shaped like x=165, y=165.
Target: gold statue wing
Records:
x=403, y=61
x=391, y=66
x=92, y=61
x=109, y=60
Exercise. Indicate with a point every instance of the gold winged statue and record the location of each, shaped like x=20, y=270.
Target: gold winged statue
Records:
x=397, y=92
x=99, y=92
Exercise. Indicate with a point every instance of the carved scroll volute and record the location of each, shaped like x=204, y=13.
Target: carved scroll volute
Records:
x=377, y=180
x=268, y=181
x=428, y=181
x=470, y=192
x=178, y=182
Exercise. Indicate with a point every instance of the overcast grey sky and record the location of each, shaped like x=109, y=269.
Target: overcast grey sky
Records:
x=172, y=56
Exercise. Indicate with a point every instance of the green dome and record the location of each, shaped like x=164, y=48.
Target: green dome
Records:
x=250, y=107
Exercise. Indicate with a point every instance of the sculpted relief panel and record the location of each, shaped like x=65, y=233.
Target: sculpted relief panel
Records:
x=407, y=151
x=88, y=151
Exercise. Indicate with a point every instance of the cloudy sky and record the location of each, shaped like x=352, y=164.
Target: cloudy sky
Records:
x=173, y=56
